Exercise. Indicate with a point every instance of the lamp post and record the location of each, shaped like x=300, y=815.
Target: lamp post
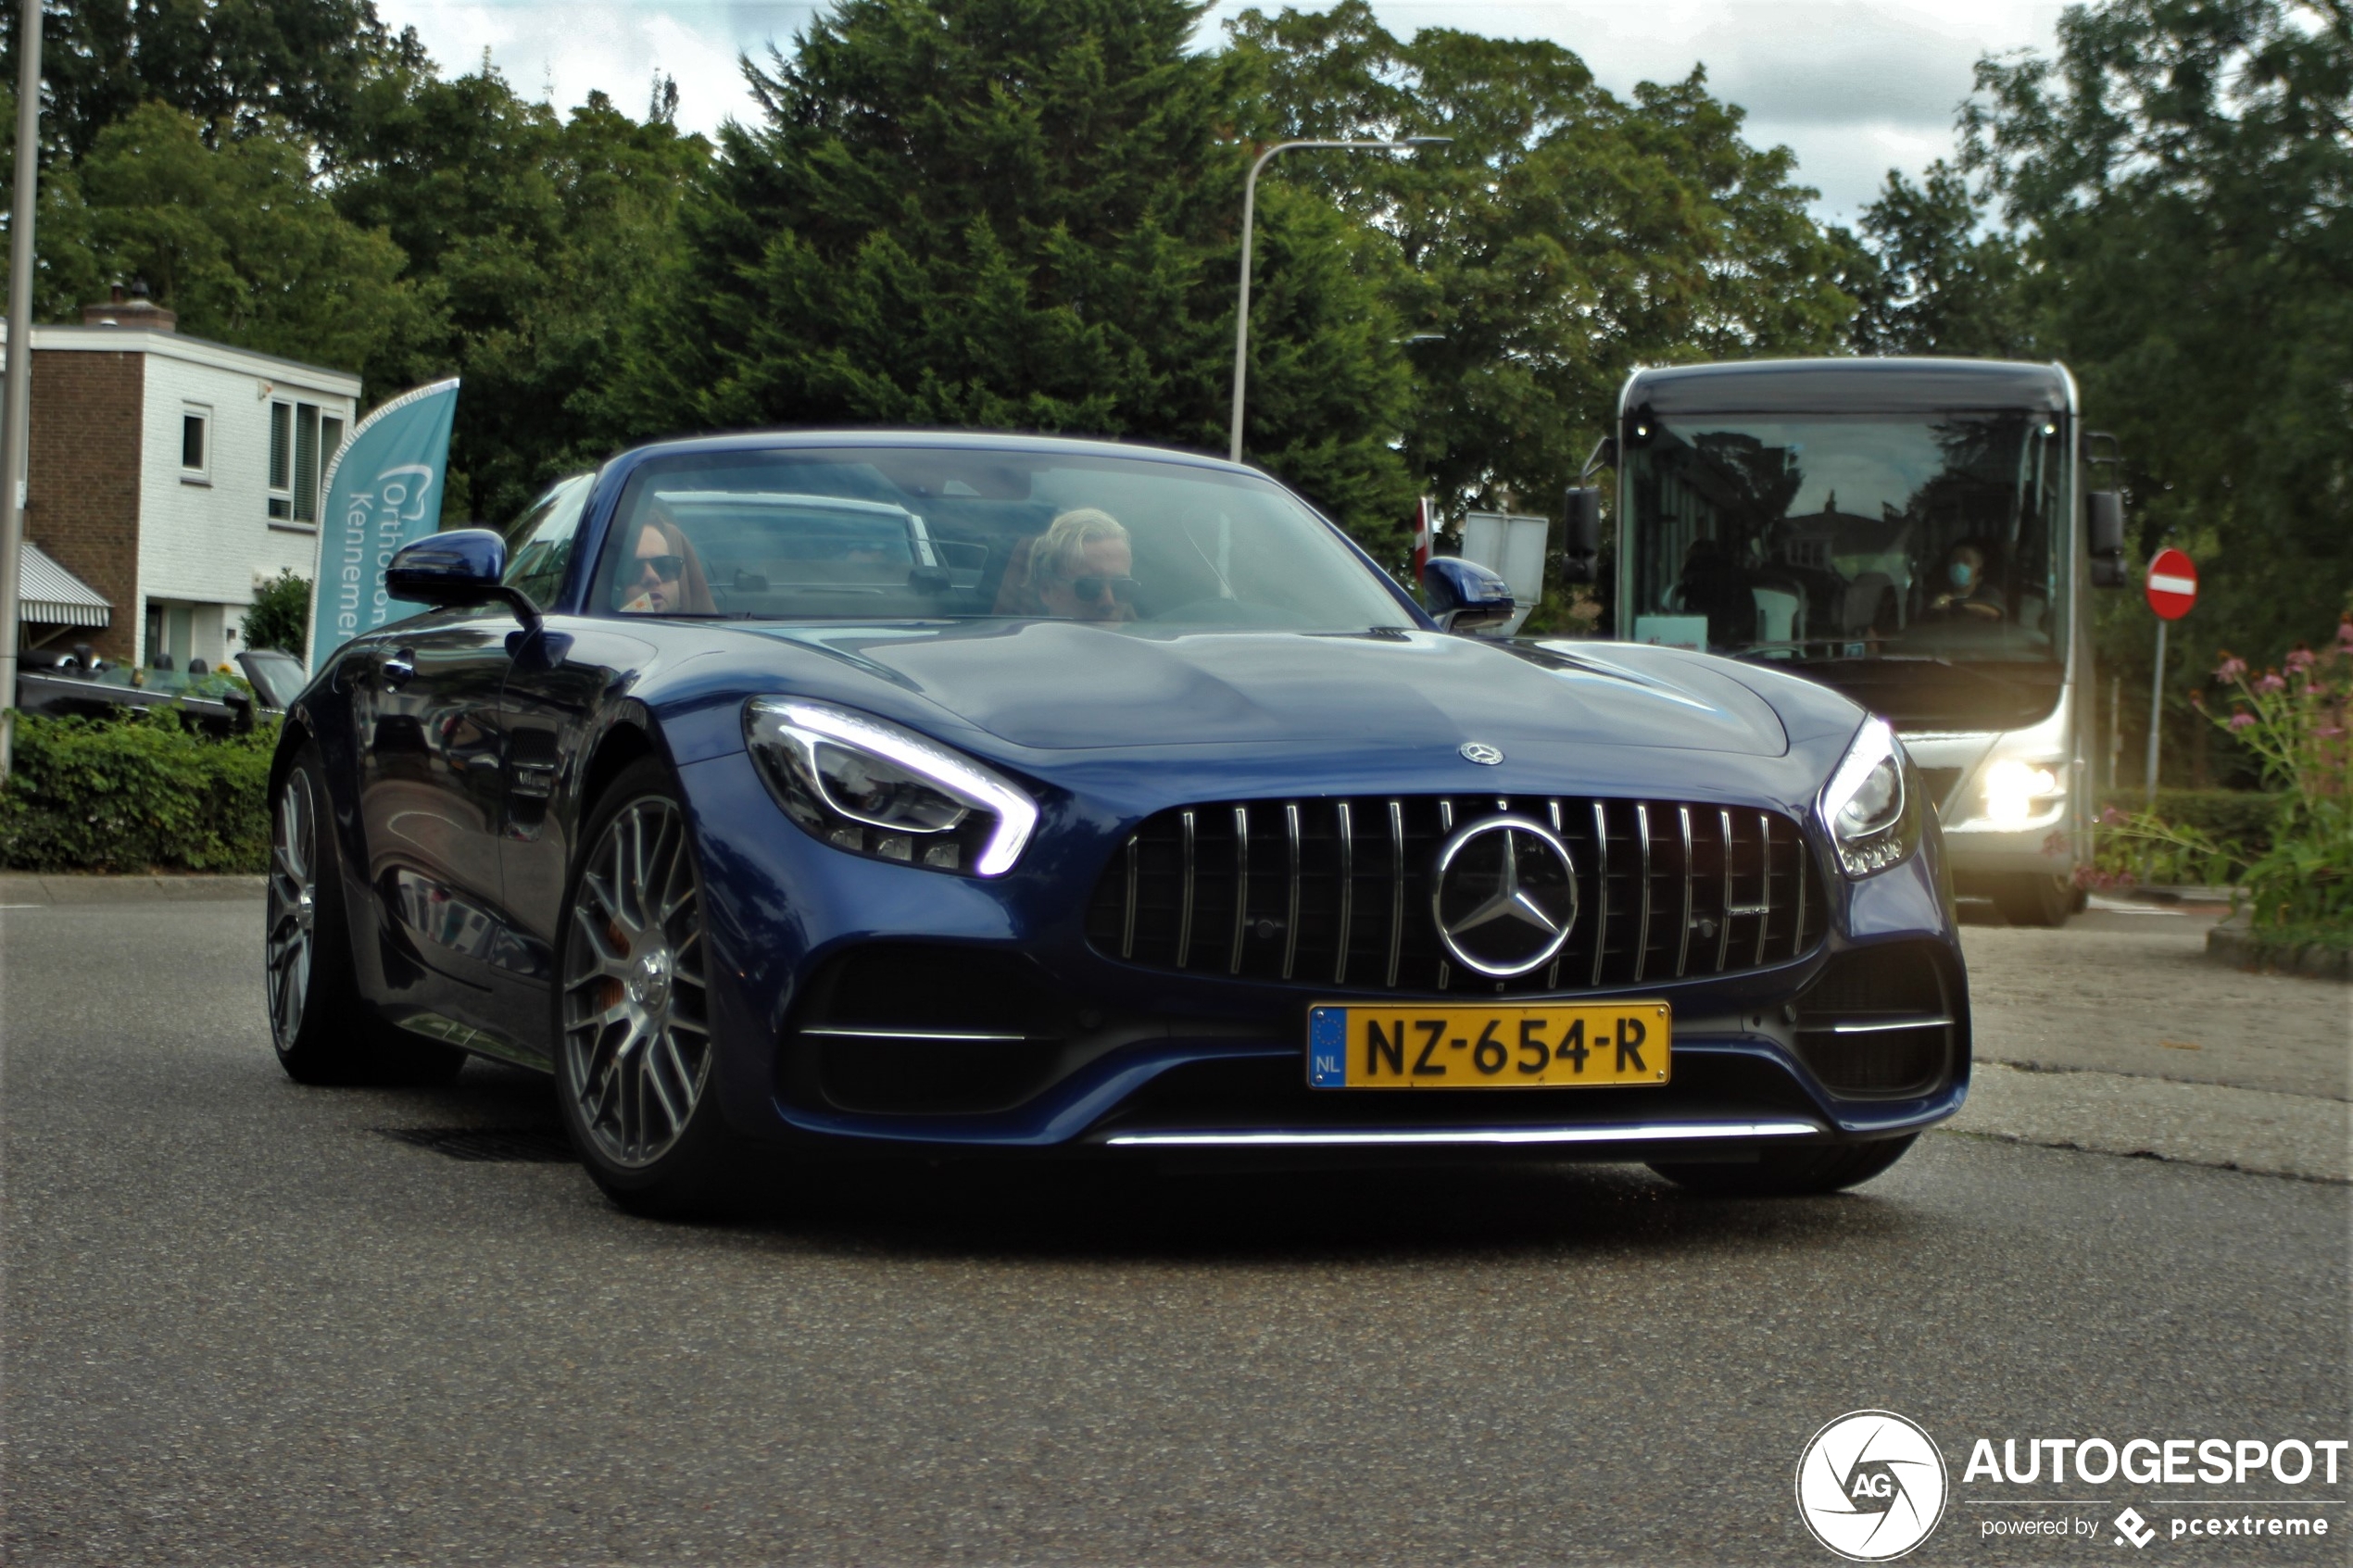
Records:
x=1249, y=200
x=14, y=420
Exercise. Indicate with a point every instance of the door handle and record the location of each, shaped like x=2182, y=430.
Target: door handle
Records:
x=397, y=668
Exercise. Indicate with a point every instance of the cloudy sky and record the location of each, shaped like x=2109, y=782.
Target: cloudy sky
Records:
x=1855, y=86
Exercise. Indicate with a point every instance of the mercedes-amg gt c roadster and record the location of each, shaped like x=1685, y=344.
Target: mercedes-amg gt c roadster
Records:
x=803, y=792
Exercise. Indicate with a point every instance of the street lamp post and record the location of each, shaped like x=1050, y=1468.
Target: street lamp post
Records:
x=14, y=421
x=1249, y=200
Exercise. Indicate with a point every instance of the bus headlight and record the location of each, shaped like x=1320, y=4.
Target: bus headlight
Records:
x=2017, y=792
x=1870, y=814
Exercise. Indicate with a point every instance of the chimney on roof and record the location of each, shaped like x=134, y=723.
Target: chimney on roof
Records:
x=136, y=312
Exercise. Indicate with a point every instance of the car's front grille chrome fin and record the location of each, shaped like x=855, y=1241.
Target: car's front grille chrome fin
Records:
x=1337, y=892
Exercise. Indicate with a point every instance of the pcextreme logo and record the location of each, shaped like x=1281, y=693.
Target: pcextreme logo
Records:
x=1871, y=1486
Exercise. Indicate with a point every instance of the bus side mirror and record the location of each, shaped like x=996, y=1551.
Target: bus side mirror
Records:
x=1581, y=544
x=2103, y=519
x=1464, y=595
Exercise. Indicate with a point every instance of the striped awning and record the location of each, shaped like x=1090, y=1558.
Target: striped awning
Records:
x=52, y=597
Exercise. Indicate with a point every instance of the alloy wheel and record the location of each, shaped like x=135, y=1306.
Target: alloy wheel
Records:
x=294, y=905
x=637, y=1039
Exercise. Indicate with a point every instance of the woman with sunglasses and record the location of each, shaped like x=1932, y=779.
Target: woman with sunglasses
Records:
x=661, y=574
x=1079, y=568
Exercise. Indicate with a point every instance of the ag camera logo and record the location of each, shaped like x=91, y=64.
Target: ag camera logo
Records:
x=1871, y=1486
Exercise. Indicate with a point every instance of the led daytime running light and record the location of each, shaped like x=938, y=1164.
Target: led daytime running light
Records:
x=1014, y=813
x=1865, y=850
x=1874, y=744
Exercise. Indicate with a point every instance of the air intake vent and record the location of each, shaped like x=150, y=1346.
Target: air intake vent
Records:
x=914, y=1029
x=1336, y=894
x=1880, y=1022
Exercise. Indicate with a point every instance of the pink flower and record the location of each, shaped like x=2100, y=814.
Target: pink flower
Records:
x=2311, y=691
x=2231, y=668
x=2242, y=718
x=2300, y=660
x=2270, y=681
x=2344, y=631
x=2330, y=731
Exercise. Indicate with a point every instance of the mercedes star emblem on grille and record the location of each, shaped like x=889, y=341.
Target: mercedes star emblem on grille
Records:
x=1479, y=751
x=1505, y=895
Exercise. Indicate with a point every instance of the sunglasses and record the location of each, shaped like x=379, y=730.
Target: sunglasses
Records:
x=667, y=568
x=1122, y=589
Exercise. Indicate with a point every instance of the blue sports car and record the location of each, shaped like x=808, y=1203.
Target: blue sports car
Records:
x=784, y=793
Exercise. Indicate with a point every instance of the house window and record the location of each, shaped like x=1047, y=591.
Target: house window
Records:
x=280, y=460
x=196, y=442
x=300, y=439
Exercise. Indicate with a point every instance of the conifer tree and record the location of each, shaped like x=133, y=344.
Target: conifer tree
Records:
x=1022, y=214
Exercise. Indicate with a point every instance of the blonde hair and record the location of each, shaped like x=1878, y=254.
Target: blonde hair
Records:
x=1059, y=550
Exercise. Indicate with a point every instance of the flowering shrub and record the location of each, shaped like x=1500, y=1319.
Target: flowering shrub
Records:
x=2294, y=718
x=2133, y=848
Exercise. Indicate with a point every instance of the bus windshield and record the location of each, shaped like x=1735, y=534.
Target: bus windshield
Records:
x=1851, y=538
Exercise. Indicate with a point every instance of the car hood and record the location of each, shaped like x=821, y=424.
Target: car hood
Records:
x=1056, y=685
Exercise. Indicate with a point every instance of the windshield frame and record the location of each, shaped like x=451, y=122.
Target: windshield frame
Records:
x=2043, y=463
x=590, y=565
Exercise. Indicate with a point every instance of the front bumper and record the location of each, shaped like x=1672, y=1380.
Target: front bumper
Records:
x=1151, y=1061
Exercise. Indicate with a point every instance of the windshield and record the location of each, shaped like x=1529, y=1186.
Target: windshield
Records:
x=1852, y=536
x=932, y=533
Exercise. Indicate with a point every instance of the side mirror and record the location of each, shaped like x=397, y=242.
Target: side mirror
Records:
x=1581, y=541
x=1464, y=595
x=462, y=567
x=2104, y=525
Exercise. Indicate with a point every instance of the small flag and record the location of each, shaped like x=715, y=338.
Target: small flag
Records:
x=1423, y=510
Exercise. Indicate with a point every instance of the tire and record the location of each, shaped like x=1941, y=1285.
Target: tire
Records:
x=2034, y=899
x=632, y=1039
x=324, y=1031
x=1792, y=1173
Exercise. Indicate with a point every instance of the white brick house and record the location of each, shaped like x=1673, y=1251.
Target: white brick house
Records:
x=175, y=475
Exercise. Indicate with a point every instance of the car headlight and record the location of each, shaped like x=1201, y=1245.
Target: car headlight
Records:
x=2017, y=792
x=1873, y=819
x=874, y=788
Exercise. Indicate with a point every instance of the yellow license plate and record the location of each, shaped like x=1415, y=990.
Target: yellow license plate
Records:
x=1487, y=1047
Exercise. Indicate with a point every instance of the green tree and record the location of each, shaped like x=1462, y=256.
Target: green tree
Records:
x=528, y=237
x=2178, y=175
x=1564, y=236
x=235, y=238
x=1020, y=213
x=1941, y=285
x=238, y=66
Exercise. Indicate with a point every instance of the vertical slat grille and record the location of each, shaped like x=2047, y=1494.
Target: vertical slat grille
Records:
x=1331, y=893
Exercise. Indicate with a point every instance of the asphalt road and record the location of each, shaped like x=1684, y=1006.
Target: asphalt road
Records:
x=244, y=1327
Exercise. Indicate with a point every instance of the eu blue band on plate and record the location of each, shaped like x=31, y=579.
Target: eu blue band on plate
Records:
x=1328, y=1048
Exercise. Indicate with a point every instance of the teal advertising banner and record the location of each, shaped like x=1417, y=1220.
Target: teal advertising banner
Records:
x=382, y=489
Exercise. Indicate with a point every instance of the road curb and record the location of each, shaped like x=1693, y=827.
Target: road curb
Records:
x=2232, y=942
x=2257, y=1131
x=21, y=888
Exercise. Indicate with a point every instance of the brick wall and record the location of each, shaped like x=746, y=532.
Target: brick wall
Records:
x=83, y=490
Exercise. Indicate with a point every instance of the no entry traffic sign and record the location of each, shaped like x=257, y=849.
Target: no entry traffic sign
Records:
x=2173, y=586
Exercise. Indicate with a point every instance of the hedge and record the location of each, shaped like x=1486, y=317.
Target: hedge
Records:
x=142, y=792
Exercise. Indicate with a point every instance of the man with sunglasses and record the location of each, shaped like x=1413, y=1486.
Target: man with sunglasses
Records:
x=1079, y=568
